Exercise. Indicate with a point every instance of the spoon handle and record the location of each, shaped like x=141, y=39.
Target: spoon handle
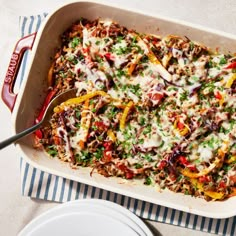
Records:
x=16, y=137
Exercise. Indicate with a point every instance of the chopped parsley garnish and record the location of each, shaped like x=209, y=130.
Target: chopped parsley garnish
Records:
x=121, y=50
x=75, y=42
x=99, y=153
x=184, y=96
x=191, y=45
x=147, y=129
x=120, y=73
x=148, y=181
x=142, y=121
x=98, y=42
x=222, y=61
x=138, y=165
x=148, y=157
x=52, y=151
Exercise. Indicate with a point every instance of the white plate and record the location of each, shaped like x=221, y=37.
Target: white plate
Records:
x=87, y=217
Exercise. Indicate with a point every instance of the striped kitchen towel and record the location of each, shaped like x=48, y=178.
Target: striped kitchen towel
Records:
x=38, y=184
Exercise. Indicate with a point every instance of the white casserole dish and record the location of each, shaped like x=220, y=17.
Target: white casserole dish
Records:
x=34, y=87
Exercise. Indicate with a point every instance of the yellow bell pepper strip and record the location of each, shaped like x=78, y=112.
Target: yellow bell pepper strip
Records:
x=118, y=103
x=133, y=64
x=231, y=159
x=161, y=69
x=216, y=164
x=85, y=123
x=78, y=100
x=111, y=135
x=165, y=60
x=213, y=194
x=125, y=114
x=230, y=81
x=188, y=173
x=153, y=59
x=182, y=128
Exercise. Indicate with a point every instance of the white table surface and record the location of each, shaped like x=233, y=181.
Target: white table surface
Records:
x=15, y=210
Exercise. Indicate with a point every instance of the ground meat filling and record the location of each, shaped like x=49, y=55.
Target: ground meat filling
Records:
x=160, y=109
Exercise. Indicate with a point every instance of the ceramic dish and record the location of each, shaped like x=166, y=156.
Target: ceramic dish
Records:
x=34, y=87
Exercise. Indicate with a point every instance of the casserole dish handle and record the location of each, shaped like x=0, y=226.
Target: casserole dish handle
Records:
x=8, y=95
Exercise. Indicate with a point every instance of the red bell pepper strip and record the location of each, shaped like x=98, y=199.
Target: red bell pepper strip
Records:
x=183, y=160
x=48, y=99
x=162, y=164
x=231, y=65
x=109, y=56
x=129, y=174
x=204, y=179
x=107, y=153
x=180, y=125
x=218, y=95
x=100, y=125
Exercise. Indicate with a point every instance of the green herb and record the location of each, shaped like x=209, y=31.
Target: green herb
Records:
x=52, y=151
x=94, y=110
x=148, y=157
x=97, y=42
x=148, y=181
x=75, y=42
x=98, y=59
x=86, y=155
x=72, y=59
x=211, y=142
x=172, y=88
x=223, y=130
x=147, y=129
x=184, y=96
x=62, y=74
x=121, y=50
x=124, y=87
x=120, y=73
x=134, y=40
x=119, y=39
x=144, y=59
x=162, y=144
x=209, y=64
x=135, y=89
x=99, y=153
x=186, y=192
x=142, y=120
x=91, y=102
x=106, y=40
x=231, y=110
x=226, y=168
x=191, y=45
x=77, y=114
x=94, y=127
x=210, y=86
x=180, y=177
x=141, y=141
x=195, y=78
x=222, y=61
x=138, y=48
x=138, y=165
x=112, y=112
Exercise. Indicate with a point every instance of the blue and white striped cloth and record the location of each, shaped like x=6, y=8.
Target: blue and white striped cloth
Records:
x=38, y=184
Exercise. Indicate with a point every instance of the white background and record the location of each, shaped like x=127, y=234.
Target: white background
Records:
x=16, y=211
